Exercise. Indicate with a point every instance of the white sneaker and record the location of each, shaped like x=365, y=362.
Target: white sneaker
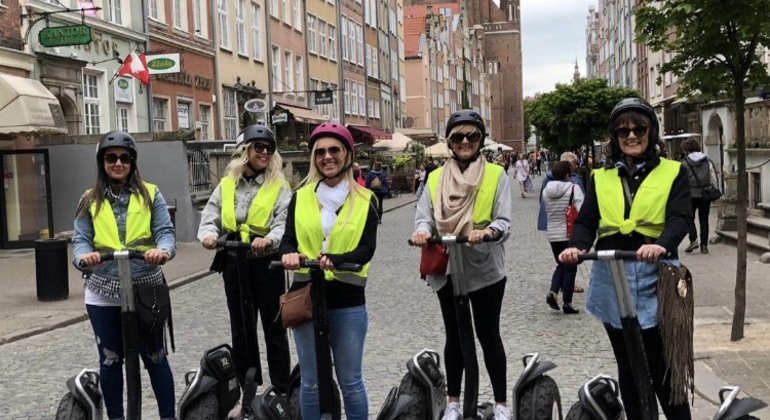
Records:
x=453, y=412
x=502, y=412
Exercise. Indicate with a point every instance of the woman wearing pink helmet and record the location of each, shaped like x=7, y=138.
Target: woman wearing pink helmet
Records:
x=337, y=224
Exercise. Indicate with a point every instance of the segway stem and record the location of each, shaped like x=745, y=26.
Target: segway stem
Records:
x=130, y=331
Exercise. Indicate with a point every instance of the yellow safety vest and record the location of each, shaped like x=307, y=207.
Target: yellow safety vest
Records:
x=344, y=236
x=259, y=212
x=648, y=210
x=138, y=224
x=485, y=197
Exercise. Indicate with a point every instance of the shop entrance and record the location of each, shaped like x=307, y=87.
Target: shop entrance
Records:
x=25, y=199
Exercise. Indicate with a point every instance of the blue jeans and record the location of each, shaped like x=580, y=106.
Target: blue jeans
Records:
x=347, y=333
x=105, y=321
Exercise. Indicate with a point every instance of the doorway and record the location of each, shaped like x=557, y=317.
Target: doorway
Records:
x=25, y=199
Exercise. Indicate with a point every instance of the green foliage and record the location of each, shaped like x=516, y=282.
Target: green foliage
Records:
x=419, y=152
x=401, y=160
x=574, y=115
x=303, y=145
x=527, y=122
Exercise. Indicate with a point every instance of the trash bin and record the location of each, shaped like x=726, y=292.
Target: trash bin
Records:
x=51, y=269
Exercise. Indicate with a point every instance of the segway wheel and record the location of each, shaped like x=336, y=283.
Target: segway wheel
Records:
x=295, y=410
x=70, y=409
x=204, y=408
x=577, y=412
x=420, y=409
x=540, y=400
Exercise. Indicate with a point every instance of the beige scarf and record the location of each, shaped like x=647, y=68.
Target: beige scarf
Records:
x=453, y=209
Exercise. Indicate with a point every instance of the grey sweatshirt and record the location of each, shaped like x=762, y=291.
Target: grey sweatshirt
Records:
x=556, y=199
x=484, y=263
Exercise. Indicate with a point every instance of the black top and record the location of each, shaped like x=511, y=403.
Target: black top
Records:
x=338, y=294
x=678, y=216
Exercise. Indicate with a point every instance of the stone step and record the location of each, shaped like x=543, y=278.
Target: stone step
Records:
x=758, y=226
x=755, y=242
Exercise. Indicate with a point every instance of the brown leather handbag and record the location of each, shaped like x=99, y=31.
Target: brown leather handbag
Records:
x=296, y=307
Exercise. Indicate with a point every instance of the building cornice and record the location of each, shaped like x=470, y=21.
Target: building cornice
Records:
x=185, y=46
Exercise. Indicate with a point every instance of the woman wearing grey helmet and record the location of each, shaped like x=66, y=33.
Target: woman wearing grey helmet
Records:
x=637, y=202
x=468, y=196
x=249, y=205
x=122, y=211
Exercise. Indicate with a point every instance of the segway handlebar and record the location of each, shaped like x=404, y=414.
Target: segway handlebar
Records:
x=607, y=255
x=115, y=255
x=316, y=264
x=232, y=245
x=452, y=239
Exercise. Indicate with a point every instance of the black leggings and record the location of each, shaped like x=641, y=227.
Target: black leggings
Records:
x=653, y=346
x=486, y=304
x=702, y=207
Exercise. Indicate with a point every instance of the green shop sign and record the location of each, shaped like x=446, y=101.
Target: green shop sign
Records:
x=58, y=36
x=161, y=64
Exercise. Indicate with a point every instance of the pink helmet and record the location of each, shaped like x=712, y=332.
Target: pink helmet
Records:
x=331, y=129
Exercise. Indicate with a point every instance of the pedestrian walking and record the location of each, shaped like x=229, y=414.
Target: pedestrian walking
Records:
x=701, y=173
x=333, y=219
x=123, y=212
x=420, y=179
x=357, y=175
x=249, y=205
x=468, y=196
x=637, y=202
x=521, y=173
x=557, y=196
x=378, y=183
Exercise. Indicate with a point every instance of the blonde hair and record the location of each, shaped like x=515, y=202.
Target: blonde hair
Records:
x=569, y=157
x=240, y=159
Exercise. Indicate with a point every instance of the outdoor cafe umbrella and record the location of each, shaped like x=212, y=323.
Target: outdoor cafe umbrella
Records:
x=439, y=150
x=497, y=146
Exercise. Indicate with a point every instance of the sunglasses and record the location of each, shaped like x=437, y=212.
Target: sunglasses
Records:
x=264, y=148
x=638, y=131
x=112, y=158
x=334, y=151
x=473, y=137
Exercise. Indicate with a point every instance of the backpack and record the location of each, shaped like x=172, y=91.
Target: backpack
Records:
x=376, y=183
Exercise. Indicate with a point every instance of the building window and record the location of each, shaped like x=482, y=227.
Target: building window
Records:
x=286, y=11
x=154, y=9
x=314, y=86
x=311, y=32
x=360, y=41
x=288, y=59
x=183, y=115
x=205, y=122
x=300, y=77
x=368, y=60
x=344, y=36
x=298, y=15
x=352, y=41
x=159, y=114
x=224, y=31
x=240, y=27
x=322, y=38
x=332, y=45
x=353, y=98
x=335, y=109
x=256, y=32
x=230, y=113
x=346, y=92
x=361, y=103
x=91, y=111
x=114, y=11
x=177, y=13
x=122, y=118
x=197, y=22
x=274, y=8
x=277, y=69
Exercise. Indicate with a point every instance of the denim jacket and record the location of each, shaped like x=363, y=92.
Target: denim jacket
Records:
x=162, y=229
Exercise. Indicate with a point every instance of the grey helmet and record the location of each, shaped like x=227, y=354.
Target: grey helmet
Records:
x=116, y=139
x=255, y=132
x=466, y=116
x=638, y=105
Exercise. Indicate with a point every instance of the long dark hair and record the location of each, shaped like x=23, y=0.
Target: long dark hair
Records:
x=96, y=194
x=637, y=119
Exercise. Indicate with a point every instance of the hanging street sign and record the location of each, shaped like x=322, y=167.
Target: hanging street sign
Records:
x=163, y=63
x=324, y=97
x=59, y=36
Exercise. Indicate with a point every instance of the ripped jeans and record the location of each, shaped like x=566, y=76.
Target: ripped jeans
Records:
x=105, y=321
x=347, y=332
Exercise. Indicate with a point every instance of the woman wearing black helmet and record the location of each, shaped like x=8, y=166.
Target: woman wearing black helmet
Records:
x=249, y=205
x=121, y=212
x=637, y=202
x=468, y=196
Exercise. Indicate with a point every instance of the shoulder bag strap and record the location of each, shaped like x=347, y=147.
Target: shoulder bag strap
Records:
x=572, y=194
x=695, y=174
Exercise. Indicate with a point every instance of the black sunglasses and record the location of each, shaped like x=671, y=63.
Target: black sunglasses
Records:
x=638, y=131
x=112, y=158
x=473, y=137
x=334, y=151
x=262, y=148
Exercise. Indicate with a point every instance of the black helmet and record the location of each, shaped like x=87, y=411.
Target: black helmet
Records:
x=255, y=132
x=638, y=105
x=465, y=116
x=115, y=139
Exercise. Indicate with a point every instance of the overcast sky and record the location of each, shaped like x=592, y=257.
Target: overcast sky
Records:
x=553, y=35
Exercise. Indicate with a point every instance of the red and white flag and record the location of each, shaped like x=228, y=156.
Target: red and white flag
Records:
x=135, y=65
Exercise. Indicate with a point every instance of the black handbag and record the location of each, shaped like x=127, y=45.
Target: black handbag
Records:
x=152, y=303
x=708, y=192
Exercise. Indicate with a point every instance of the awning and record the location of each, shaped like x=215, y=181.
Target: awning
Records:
x=376, y=133
x=26, y=106
x=304, y=115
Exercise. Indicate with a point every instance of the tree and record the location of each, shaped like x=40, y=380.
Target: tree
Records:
x=574, y=115
x=715, y=46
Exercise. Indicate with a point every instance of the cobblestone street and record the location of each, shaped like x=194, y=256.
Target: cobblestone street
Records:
x=404, y=318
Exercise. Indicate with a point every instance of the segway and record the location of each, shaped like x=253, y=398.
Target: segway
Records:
x=598, y=399
x=328, y=394
x=425, y=383
x=632, y=331
x=734, y=408
x=84, y=399
x=535, y=394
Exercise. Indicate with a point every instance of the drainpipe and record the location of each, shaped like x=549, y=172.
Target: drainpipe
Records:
x=146, y=28
x=340, y=67
x=217, y=112
x=366, y=66
x=269, y=52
